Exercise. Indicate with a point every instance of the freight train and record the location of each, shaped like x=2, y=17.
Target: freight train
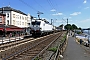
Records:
x=41, y=27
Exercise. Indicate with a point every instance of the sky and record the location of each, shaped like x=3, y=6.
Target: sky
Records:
x=76, y=11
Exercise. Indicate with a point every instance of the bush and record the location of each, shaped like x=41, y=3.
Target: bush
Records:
x=37, y=58
x=54, y=49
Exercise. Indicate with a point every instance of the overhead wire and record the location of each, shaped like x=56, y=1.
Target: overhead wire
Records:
x=41, y=7
x=31, y=6
x=52, y=6
x=28, y=5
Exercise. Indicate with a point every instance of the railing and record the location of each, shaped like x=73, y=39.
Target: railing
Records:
x=9, y=38
x=60, y=49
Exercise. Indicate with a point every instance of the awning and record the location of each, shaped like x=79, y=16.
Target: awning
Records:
x=1, y=29
x=14, y=29
x=10, y=28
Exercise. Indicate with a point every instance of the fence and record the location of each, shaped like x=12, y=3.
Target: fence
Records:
x=11, y=38
x=60, y=49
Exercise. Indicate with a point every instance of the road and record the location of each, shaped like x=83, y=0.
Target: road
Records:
x=74, y=51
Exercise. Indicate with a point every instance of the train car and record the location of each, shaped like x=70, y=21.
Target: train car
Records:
x=41, y=27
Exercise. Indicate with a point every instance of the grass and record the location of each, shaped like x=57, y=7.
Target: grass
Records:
x=63, y=39
x=37, y=58
x=54, y=49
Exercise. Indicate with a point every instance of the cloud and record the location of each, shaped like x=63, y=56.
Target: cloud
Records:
x=85, y=21
x=70, y=17
x=75, y=13
x=58, y=14
x=85, y=1
x=87, y=8
x=53, y=10
x=59, y=21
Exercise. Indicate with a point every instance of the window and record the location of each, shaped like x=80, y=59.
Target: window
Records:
x=13, y=15
x=13, y=22
x=20, y=17
x=36, y=23
x=22, y=23
x=17, y=16
x=8, y=15
x=7, y=22
x=0, y=19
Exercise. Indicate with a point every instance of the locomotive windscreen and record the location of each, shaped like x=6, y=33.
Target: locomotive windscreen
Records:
x=36, y=23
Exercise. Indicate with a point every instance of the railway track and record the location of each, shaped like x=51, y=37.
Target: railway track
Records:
x=12, y=44
x=13, y=47
x=34, y=48
x=9, y=45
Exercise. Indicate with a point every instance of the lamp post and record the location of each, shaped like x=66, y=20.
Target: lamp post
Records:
x=88, y=35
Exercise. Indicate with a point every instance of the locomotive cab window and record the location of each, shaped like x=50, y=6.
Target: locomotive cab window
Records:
x=36, y=23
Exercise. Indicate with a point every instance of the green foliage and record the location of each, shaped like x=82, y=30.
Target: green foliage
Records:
x=54, y=49
x=74, y=26
x=63, y=39
x=61, y=25
x=37, y=58
x=70, y=27
x=78, y=32
x=79, y=28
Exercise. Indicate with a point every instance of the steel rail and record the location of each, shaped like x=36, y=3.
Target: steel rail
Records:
x=23, y=50
x=46, y=47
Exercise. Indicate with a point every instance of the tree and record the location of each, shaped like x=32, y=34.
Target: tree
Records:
x=68, y=27
x=61, y=25
x=79, y=28
x=74, y=26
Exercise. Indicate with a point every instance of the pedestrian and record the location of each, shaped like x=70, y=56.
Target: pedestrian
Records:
x=10, y=34
x=81, y=41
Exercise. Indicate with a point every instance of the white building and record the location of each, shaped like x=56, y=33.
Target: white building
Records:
x=16, y=17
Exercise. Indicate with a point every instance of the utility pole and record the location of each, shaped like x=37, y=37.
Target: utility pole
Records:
x=67, y=21
x=51, y=21
x=88, y=35
x=39, y=13
x=67, y=25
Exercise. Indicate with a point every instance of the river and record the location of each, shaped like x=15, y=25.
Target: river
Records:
x=87, y=32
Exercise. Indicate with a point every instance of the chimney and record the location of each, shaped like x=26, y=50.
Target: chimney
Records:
x=2, y=10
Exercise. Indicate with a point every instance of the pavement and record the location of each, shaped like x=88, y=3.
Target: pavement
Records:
x=7, y=39
x=75, y=51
